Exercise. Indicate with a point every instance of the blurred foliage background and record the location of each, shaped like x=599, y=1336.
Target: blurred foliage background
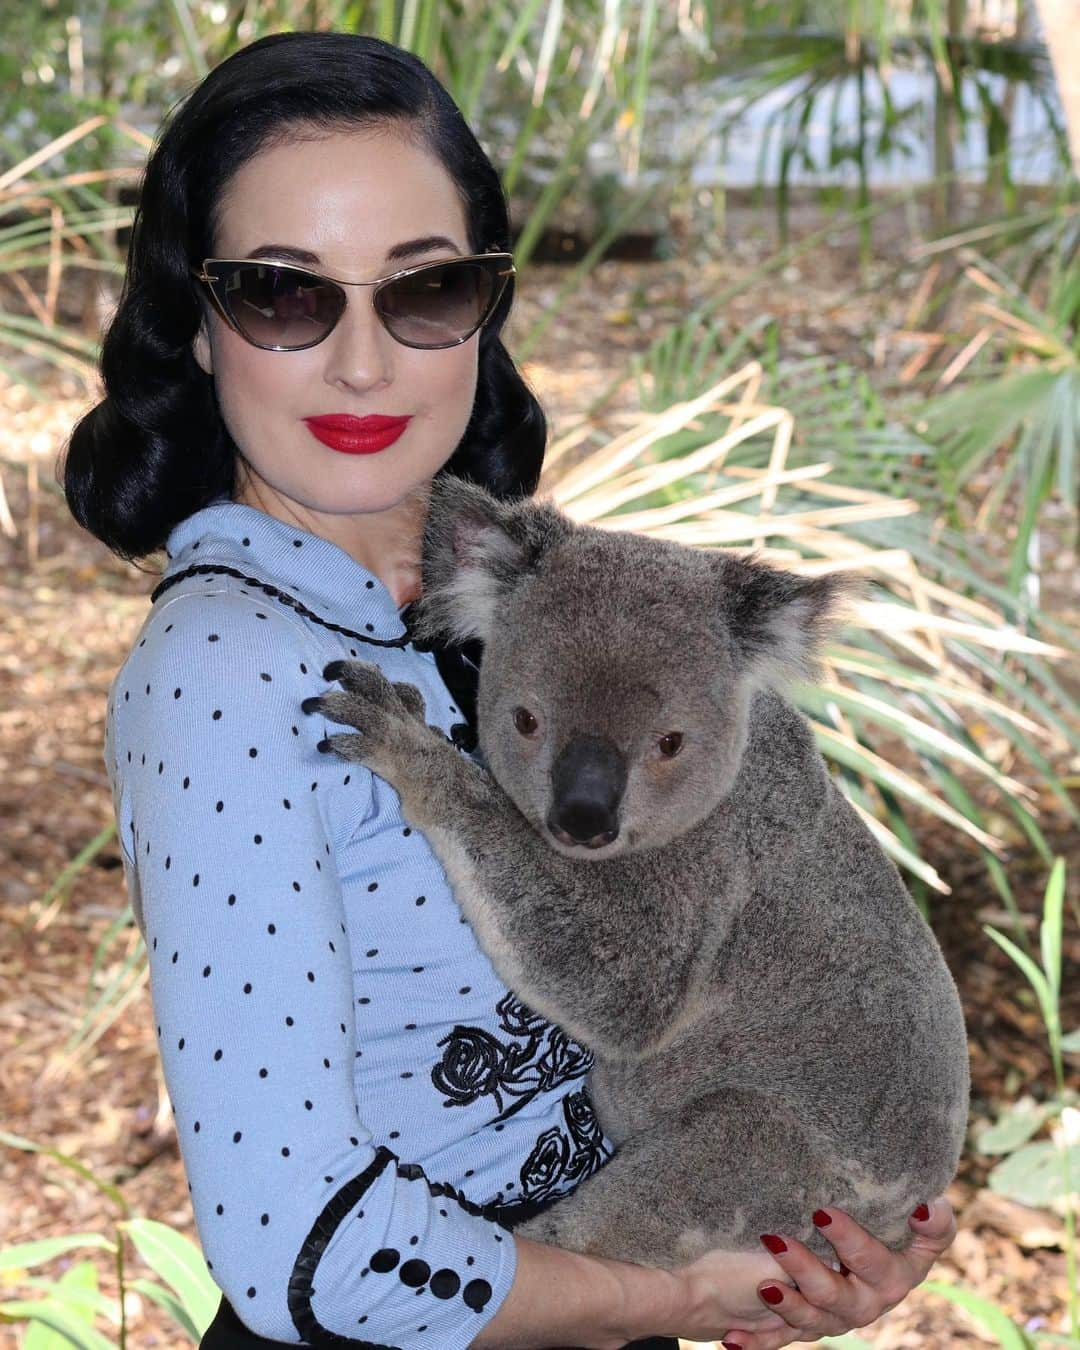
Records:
x=630, y=131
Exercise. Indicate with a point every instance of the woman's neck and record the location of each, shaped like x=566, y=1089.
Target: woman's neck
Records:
x=387, y=543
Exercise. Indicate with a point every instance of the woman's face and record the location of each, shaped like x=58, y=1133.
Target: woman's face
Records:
x=338, y=205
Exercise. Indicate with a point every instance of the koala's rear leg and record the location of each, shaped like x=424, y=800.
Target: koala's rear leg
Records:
x=712, y=1175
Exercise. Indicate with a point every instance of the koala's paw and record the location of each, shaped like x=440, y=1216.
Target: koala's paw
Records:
x=383, y=713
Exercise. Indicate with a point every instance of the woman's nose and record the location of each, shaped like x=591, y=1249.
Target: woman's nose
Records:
x=359, y=352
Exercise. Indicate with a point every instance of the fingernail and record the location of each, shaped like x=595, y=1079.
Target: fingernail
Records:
x=775, y=1244
x=730, y=1345
x=921, y=1212
x=771, y=1294
x=821, y=1219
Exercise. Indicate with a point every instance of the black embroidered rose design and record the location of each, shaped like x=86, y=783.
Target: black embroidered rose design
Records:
x=562, y=1059
x=590, y=1150
x=545, y=1166
x=581, y=1119
x=476, y=1064
x=519, y=1019
x=472, y=1066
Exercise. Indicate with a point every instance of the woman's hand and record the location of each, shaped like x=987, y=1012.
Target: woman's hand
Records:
x=829, y=1303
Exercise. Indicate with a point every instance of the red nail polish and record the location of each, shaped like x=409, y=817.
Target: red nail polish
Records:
x=821, y=1219
x=730, y=1345
x=771, y=1294
x=775, y=1245
x=921, y=1212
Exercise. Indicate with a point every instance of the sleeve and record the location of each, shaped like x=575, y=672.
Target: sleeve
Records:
x=315, y=1232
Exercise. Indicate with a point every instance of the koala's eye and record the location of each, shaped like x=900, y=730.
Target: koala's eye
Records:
x=671, y=744
x=524, y=721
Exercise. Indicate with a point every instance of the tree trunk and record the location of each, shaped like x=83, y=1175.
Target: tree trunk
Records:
x=1061, y=31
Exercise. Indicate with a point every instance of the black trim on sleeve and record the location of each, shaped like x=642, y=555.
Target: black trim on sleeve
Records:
x=326, y=1225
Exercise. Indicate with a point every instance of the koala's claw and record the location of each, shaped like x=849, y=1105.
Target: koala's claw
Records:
x=358, y=677
x=412, y=699
x=347, y=746
x=365, y=679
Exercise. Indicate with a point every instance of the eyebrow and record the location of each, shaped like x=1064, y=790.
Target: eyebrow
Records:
x=409, y=249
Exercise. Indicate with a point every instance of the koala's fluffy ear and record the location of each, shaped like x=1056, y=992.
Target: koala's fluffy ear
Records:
x=476, y=550
x=777, y=620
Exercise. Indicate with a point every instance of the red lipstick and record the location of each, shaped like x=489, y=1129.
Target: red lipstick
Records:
x=356, y=435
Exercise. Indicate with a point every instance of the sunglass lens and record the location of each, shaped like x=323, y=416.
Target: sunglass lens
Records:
x=438, y=306
x=282, y=307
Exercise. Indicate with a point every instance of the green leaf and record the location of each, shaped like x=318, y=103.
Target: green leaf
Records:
x=80, y=1279
x=165, y=1298
x=51, y=1314
x=1014, y=1127
x=77, y=1293
x=1050, y=931
x=29, y=1146
x=1033, y=1175
x=1009, y=1336
x=180, y=1264
x=1031, y=970
x=26, y=1255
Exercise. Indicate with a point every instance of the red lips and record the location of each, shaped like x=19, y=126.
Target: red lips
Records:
x=356, y=435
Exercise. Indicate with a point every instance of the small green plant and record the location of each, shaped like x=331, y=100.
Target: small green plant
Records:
x=60, y=1313
x=1043, y=1173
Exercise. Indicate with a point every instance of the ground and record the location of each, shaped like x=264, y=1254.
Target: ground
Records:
x=70, y=610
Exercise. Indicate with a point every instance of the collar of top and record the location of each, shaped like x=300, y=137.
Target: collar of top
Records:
x=313, y=571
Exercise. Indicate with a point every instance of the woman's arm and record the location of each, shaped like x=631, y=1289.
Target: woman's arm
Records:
x=562, y=1298
x=233, y=825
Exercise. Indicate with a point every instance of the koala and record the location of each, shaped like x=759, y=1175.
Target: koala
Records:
x=653, y=855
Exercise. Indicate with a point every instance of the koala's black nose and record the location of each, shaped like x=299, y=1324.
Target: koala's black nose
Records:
x=588, y=779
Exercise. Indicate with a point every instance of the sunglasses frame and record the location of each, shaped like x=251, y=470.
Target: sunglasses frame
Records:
x=220, y=302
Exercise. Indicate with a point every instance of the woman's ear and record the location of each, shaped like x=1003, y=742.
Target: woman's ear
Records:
x=200, y=349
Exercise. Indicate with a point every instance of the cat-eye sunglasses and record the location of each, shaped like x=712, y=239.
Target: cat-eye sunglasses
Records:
x=283, y=308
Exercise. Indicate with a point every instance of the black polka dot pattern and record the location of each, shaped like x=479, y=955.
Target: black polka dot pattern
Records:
x=299, y=930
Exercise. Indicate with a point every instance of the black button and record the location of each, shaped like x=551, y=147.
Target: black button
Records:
x=445, y=1283
x=476, y=1294
x=414, y=1273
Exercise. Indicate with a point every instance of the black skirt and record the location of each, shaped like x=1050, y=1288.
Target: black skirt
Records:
x=227, y=1332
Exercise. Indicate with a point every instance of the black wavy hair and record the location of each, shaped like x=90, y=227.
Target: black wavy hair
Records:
x=156, y=448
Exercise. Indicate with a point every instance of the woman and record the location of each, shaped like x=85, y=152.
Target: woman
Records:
x=308, y=334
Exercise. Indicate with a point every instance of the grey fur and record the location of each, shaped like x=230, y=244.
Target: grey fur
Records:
x=773, y=1024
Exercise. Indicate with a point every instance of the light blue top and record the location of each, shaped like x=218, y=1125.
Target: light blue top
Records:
x=349, y=1077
